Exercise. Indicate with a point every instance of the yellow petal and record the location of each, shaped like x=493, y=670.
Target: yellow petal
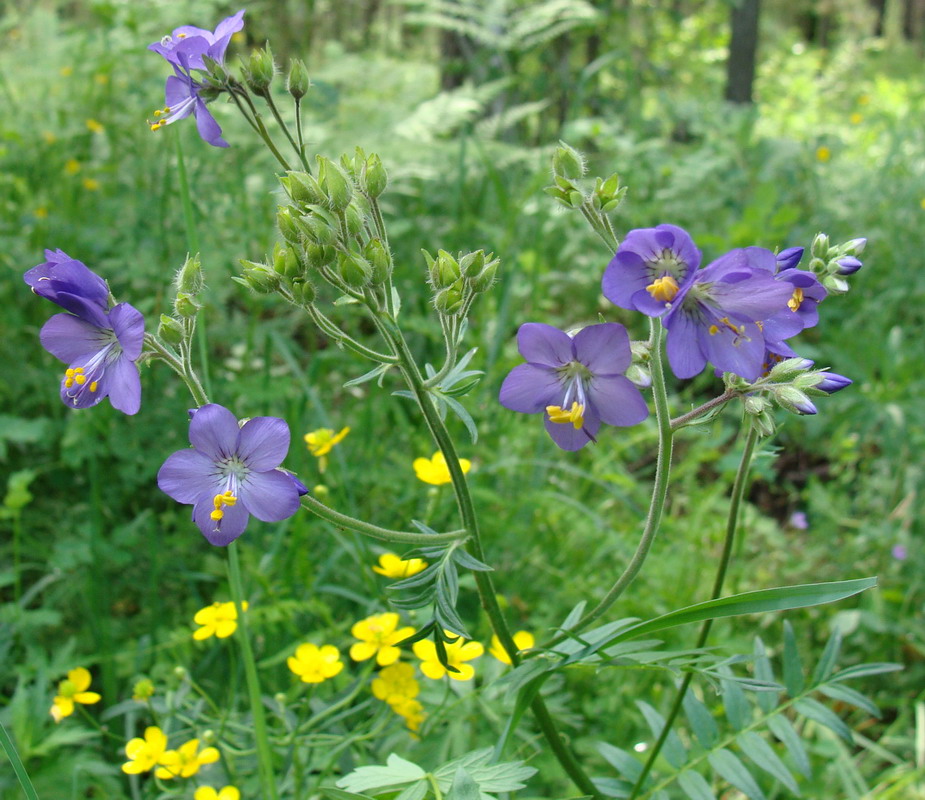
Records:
x=387, y=656
x=229, y=793
x=471, y=650
x=524, y=640
x=206, y=616
x=362, y=651
x=87, y=698
x=80, y=677
x=206, y=793
x=225, y=628
x=330, y=670
x=465, y=465
x=466, y=671
x=425, y=650
x=208, y=756
x=433, y=669
x=203, y=633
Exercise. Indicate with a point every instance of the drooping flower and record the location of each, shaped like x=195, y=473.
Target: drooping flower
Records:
x=649, y=267
x=578, y=382
x=718, y=315
x=182, y=97
x=320, y=442
x=434, y=470
x=392, y=566
x=225, y=793
x=523, y=639
x=145, y=754
x=199, y=42
x=99, y=344
x=219, y=620
x=457, y=653
x=185, y=761
x=378, y=636
x=231, y=473
x=396, y=683
x=315, y=664
x=73, y=689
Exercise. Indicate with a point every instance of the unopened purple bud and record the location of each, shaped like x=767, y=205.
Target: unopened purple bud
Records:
x=856, y=246
x=789, y=258
x=899, y=552
x=848, y=265
x=799, y=521
x=832, y=383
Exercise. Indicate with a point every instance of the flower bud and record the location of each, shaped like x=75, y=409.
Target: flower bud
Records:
x=755, y=404
x=448, y=301
x=820, y=246
x=763, y=423
x=794, y=400
x=186, y=306
x=835, y=285
x=575, y=199
x=287, y=226
x=354, y=270
x=321, y=491
x=639, y=376
x=280, y=698
x=854, y=247
x=334, y=183
x=304, y=292
x=215, y=70
x=472, y=263
x=832, y=383
x=260, y=277
x=179, y=672
x=303, y=188
x=298, y=82
x=285, y=262
x=189, y=278
x=486, y=278
x=209, y=737
x=170, y=330
x=785, y=370
x=378, y=256
x=848, y=265
x=445, y=271
x=354, y=219
x=259, y=70
x=568, y=162
x=143, y=690
x=319, y=255
x=789, y=257
x=375, y=178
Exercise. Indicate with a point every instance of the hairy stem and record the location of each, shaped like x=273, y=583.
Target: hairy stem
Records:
x=690, y=416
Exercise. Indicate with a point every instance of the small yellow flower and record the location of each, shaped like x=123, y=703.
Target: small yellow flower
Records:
x=208, y=793
x=49, y=137
x=94, y=126
x=101, y=78
x=315, y=664
x=392, y=566
x=457, y=653
x=186, y=761
x=864, y=99
x=396, y=684
x=856, y=119
x=91, y=184
x=66, y=72
x=41, y=212
x=72, y=689
x=72, y=166
x=435, y=471
x=218, y=619
x=922, y=203
x=145, y=754
x=378, y=635
x=411, y=711
x=823, y=154
x=143, y=690
x=321, y=441
x=523, y=639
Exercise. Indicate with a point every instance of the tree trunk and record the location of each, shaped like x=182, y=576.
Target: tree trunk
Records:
x=743, y=45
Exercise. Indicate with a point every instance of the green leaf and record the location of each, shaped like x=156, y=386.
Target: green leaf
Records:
x=463, y=787
x=464, y=415
x=780, y=726
x=695, y=786
x=737, y=708
x=574, y=615
x=759, y=751
x=468, y=561
x=863, y=670
x=814, y=710
x=622, y=761
x=701, y=720
x=848, y=695
x=829, y=656
x=416, y=791
x=396, y=772
x=340, y=794
x=508, y=776
x=767, y=701
x=793, y=667
x=672, y=749
x=376, y=372
x=727, y=764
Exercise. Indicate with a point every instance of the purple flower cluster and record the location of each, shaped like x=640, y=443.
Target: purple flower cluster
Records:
x=185, y=49
x=99, y=343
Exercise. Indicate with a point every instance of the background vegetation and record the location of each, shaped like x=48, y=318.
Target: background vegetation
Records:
x=100, y=569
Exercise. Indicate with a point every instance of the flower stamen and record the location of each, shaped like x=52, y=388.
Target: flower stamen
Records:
x=575, y=415
x=226, y=498
x=663, y=289
x=796, y=300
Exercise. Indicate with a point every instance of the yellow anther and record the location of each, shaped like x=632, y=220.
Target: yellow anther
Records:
x=69, y=373
x=80, y=380
x=158, y=113
x=663, y=289
x=575, y=415
x=796, y=299
x=181, y=35
x=68, y=383
x=166, y=110
x=93, y=386
x=217, y=514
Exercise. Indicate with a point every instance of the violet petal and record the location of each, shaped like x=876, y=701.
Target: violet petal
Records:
x=214, y=432
x=604, y=348
x=270, y=496
x=543, y=344
x=263, y=443
x=187, y=475
x=529, y=388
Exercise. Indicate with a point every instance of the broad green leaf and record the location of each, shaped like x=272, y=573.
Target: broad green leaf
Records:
x=814, y=710
x=416, y=791
x=340, y=794
x=695, y=786
x=396, y=772
x=672, y=749
x=780, y=726
x=735, y=705
x=623, y=762
x=829, y=656
x=701, y=720
x=793, y=667
x=508, y=776
x=764, y=671
x=848, y=695
x=463, y=787
x=759, y=751
x=728, y=765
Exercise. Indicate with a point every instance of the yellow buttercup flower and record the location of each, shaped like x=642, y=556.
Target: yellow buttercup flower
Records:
x=94, y=126
x=396, y=684
x=392, y=566
x=523, y=639
x=72, y=689
x=186, y=761
x=218, y=619
x=378, y=635
x=435, y=471
x=411, y=711
x=315, y=664
x=856, y=118
x=72, y=166
x=457, y=653
x=91, y=184
x=823, y=154
x=145, y=754
x=208, y=793
x=321, y=441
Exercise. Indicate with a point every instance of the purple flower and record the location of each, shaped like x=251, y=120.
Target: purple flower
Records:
x=848, y=265
x=832, y=383
x=899, y=552
x=717, y=315
x=231, y=473
x=577, y=382
x=789, y=258
x=799, y=521
x=199, y=42
x=100, y=345
x=649, y=268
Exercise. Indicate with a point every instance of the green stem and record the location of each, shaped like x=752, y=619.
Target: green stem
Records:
x=10, y=749
x=256, y=123
x=264, y=753
x=279, y=119
x=298, y=131
x=738, y=492
x=659, y=490
x=690, y=416
x=330, y=329
x=374, y=531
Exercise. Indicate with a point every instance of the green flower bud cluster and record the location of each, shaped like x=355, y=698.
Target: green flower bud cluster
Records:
x=833, y=263
x=188, y=283
x=639, y=371
x=568, y=170
x=259, y=70
x=456, y=281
